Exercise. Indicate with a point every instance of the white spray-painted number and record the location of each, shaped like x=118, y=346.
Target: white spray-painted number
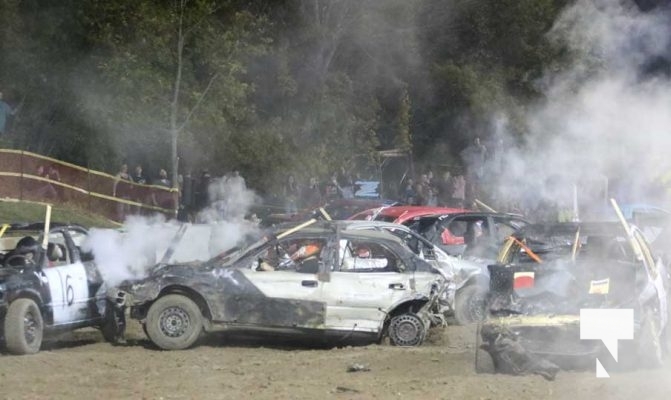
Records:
x=69, y=292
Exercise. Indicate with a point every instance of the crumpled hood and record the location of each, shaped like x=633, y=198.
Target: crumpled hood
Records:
x=183, y=269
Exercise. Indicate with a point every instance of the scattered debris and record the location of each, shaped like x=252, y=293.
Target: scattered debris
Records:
x=343, y=389
x=356, y=367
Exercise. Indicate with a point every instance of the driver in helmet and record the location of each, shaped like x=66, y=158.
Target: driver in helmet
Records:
x=24, y=254
x=306, y=257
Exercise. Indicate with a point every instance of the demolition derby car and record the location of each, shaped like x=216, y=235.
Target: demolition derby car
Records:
x=460, y=300
x=546, y=274
x=473, y=236
x=316, y=282
x=47, y=284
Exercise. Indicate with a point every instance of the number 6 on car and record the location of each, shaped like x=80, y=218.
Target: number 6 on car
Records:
x=48, y=285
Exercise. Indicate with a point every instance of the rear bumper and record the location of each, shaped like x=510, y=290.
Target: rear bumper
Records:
x=553, y=338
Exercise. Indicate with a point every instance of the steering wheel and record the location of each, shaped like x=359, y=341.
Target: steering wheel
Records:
x=18, y=261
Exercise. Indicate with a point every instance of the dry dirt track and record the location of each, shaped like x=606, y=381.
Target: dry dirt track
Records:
x=80, y=365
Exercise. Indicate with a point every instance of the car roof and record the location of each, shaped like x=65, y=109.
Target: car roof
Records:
x=403, y=213
x=39, y=226
x=476, y=214
x=324, y=228
x=357, y=224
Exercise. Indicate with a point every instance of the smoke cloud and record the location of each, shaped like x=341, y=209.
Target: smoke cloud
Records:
x=607, y=116
x=142, y=242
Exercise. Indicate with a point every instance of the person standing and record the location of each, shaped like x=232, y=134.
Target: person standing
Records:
x=313, y=194
x=5, y=111
x=138, y=177
x=474, y=157
x=459, y=191
x=445, y=188
x=122, y=189
x=291, y=194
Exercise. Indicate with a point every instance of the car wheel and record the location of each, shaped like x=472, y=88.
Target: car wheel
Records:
x=470, y=304
x=23, y=327
x=174, y=322
x=406, y=330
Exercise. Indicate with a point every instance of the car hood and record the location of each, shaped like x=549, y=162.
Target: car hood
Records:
x=181, y=269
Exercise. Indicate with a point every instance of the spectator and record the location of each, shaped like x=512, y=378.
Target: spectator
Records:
x=422, y=189
x=44, y=189
x=122, y=189
x=163, y=198
x=53, y=173
x=291, y=193
x=474, y=157
x=312, y=194
x=140, y=194
x=163, y=179
x=138, y=177
x=187, y=200
x=333, y=189
x=409, y=194
x=459, y=191
x=201, y=194
x=55, y=176
x=445, y=188
x=5, y=111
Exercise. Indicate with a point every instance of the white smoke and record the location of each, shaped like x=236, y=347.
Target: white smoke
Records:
x=603, y=117
x=142, y=242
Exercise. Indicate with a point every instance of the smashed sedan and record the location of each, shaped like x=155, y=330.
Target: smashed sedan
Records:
x=546, y=274
x=296, y=283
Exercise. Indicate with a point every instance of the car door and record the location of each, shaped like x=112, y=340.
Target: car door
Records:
x=68, y=284
x=365, y=284
x=76, y=236
x=282, y=297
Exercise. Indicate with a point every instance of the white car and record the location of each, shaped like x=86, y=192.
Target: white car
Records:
x=282, y=286
x=467, y=278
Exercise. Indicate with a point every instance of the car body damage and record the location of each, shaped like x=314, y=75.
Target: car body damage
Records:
x=356, y=285
x=546, y=274
x=48, y=284
x=457, y=271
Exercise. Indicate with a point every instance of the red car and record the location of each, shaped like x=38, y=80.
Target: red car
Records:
x=401, y=214
x=447, y=227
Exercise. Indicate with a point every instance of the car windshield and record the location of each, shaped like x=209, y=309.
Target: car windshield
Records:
x=237, y=252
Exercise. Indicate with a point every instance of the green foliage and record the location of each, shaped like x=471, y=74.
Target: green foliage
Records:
x=268, y=88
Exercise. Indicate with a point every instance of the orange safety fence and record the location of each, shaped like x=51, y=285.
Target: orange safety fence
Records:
x=33, y=177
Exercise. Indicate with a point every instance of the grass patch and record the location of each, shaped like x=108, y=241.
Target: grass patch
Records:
x=23, y=211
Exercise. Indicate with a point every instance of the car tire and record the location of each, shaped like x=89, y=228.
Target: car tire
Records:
x=174, y=322
x=406, y=330
x=24, y=327
x=470, y=304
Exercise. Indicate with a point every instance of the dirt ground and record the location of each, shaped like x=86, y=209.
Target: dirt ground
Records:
x=81, y=365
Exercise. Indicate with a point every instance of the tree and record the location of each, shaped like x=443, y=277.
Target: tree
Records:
x=187, y=60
